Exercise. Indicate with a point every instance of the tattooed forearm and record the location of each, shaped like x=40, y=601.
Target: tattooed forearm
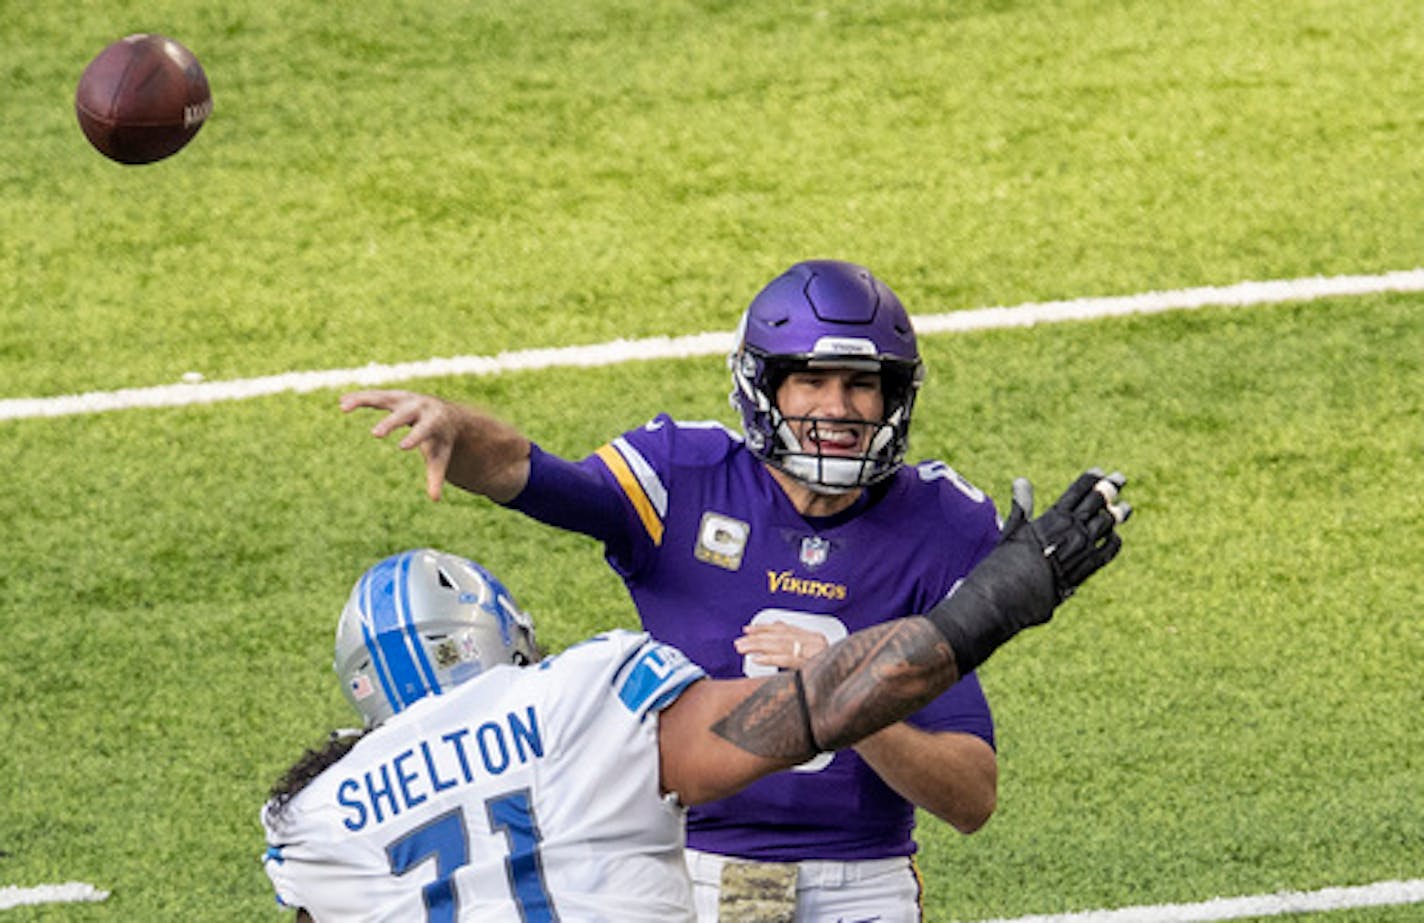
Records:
x=882, y=675
x=870, y=680
x=771, y=722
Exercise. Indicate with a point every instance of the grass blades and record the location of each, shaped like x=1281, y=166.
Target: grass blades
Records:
x=1234, y=709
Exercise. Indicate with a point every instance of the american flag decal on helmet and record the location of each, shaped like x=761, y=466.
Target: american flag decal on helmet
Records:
x=361, y=686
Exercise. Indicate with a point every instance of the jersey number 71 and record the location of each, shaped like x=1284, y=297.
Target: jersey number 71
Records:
x=444, y=838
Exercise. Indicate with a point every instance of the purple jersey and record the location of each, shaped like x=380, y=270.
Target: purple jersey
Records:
x=707, y=542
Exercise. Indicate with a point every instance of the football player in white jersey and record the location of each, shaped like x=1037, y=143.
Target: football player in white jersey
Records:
x=490, y=785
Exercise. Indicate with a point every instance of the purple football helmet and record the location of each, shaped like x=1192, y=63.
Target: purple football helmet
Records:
x=833, y=315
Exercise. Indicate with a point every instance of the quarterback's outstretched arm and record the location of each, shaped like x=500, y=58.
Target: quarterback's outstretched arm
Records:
x=722, y=735
x=472, y=449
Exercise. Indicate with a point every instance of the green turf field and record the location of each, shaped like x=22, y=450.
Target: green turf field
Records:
x=1235, y=708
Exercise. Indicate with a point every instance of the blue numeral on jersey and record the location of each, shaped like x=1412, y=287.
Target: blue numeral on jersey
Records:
x=444, y=838
x=512, y=814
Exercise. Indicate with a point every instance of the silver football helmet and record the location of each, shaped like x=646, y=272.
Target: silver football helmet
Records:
x=421, y=622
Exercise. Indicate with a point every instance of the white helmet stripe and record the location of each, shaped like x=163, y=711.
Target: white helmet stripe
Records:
x=372, y=644
x=414, y=644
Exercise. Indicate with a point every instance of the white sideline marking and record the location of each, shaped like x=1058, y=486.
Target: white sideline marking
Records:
x=700, y=344
x=1380, y=894
x=71, y=892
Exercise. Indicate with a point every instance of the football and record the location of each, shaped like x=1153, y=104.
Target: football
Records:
x=142, y=99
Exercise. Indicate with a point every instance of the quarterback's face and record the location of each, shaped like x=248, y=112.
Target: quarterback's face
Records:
x=844, y=407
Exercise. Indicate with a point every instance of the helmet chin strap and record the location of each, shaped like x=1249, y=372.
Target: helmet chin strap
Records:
x=828, y=475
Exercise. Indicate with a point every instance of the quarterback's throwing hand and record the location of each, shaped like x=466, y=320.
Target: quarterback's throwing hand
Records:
x=434, y=426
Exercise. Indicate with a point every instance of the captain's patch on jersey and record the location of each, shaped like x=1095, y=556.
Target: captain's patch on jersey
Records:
x=721, y=540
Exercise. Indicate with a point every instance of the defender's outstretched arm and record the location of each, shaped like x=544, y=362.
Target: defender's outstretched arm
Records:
x=729, y=733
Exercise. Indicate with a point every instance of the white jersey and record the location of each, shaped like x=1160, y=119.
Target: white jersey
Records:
x=526, y=794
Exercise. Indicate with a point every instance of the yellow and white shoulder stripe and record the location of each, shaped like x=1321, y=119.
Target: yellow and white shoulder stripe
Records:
x=640, y=483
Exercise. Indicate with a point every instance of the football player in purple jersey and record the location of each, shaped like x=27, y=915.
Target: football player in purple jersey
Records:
x=753, y=552
x=481, y=791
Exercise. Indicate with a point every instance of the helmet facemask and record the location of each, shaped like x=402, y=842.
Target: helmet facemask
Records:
x=771, y=434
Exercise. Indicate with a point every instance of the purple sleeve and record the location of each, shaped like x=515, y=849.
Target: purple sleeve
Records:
x=572, y=496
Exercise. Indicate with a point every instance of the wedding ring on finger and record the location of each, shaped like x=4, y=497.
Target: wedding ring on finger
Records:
x=796, y=649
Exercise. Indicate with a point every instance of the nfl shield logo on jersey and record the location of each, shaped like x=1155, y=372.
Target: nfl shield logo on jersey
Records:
x=814, y=550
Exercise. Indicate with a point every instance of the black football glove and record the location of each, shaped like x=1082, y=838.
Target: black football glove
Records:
x=1037, y=564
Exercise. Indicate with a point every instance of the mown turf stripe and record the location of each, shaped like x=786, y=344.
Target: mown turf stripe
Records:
x=701, y=344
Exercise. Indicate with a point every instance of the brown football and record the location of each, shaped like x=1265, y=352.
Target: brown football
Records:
x=142, y=99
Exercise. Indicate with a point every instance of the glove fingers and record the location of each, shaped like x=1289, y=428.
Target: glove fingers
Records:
x=1104, y=492
x=1093, y=561
x=1105, y=553
x=1110, y=549
x=1022, y=509
x=1078, y=535
x=1078, y=491
x=1100, y=525
x=1023, y=495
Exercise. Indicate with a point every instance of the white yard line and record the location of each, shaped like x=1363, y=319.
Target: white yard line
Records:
x=70, y=892
x=1380, y=894
x=701, y=344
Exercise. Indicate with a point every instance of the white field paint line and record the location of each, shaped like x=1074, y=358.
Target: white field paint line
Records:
x=368, y=376
x=1242, y=294
x=71, y=892
x=701, y=344
x=1380, y=894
